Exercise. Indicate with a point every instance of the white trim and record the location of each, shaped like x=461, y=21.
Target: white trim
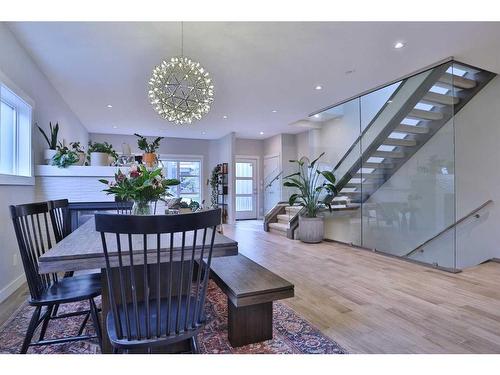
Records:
x=77, y=171
x=18, y=91
x=184, y=157
x=12, y=287
x=9, y=179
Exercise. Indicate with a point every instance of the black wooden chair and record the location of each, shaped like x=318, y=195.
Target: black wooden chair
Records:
x=60, y=218
x=34, y=237
x=173, y=285
x=123, y=207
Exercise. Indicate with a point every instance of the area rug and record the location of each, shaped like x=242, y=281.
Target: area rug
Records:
x=291, y=333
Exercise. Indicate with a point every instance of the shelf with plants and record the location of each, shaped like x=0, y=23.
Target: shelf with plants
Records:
x=219, y=185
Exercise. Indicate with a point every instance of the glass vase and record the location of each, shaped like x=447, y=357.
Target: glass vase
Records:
x=143, y=208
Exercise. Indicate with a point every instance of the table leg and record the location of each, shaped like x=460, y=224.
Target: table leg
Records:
x=249, y=324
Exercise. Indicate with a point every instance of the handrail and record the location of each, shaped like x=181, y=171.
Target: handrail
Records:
x=274, y=179
x=473, y=212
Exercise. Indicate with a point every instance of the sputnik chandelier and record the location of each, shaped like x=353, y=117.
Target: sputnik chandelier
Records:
x=181, y=90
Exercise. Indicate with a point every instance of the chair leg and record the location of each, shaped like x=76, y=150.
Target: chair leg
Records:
x=95, y=320
x=31, y=329
x=48, y=315
x=55, y=310
x=194, y=345
x=115, y=350
x=84, y=323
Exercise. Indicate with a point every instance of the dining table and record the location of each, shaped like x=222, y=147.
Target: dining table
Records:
x=82, y=251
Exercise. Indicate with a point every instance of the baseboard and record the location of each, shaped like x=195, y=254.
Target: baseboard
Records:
x=12, y=287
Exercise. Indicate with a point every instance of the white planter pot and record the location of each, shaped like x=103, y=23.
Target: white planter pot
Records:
x=99, y=159
x=48, y=155
x=81, y=158
x=311, y=229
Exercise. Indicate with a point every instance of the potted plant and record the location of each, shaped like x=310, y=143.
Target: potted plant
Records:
x=184, y=208
x=312, y=184
x=214, y=179
x=149, y=158
x=49, y=153
x=140, y=185
x=64, y=157
x=194, y=206
x=78, y=149
x=98, y=154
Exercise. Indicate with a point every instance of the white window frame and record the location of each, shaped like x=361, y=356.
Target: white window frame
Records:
x=10, y=179
x=178, y=158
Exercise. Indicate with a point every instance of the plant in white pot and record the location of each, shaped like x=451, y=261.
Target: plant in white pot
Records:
x=314, y=186
x=99, y=154
x=50, y=152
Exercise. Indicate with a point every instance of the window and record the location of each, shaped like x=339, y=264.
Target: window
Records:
x=188, y=172
x=15, y=136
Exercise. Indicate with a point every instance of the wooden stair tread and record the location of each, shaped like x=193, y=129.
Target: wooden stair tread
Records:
x=412, y=129
x=463, y=83
x=426, y=115
x=441, y=98
x=400, y=142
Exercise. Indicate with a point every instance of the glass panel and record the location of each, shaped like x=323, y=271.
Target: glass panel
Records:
x=189, y=168
x=244, y=204
x=189, y=185
x=244, y=186
x=244, y=170
x=409, y=192
x=338, y=138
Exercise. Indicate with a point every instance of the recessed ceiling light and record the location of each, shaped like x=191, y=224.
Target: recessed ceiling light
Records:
x=274, y=111
x=316, y=115
x=109, y=106
x=261, y=133
x=389, y=101
x=350, y=71
x=203, y=133
x=399, y=45
x=115, y=127
x=224, y=117
x=318, y=87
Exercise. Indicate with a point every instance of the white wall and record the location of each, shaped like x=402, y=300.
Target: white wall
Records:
x=17, y=65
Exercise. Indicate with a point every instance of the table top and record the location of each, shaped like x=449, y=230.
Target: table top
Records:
x=82, y=249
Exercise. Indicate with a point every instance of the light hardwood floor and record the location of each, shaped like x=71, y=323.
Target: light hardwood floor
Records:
x=371, y=303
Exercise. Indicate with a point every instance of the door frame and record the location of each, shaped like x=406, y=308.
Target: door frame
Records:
x=257, y=177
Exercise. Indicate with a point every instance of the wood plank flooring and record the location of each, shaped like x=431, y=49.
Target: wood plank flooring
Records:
x=370, y=303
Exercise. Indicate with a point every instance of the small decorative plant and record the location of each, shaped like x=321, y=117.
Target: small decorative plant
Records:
x=64, y=157
x=140, y=185
x=103, y=148
x=76, y=147
x=312, y=183
x=194, y=206
x=144, y=145
x=52, y=141
x=214, y=178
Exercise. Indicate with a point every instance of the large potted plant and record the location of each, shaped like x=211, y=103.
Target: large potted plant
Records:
x=50, y=152
x=149, y=158
x=140, y=185
x=99, y=154
x=313, y=185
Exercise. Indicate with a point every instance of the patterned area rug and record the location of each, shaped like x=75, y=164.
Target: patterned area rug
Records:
x=291, y=333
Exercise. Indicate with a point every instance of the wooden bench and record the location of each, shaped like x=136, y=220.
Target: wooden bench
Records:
x=251, y=290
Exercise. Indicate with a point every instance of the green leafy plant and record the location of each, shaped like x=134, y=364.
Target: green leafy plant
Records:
x=105, y=148
x=214, y=178
x=76, y=147
x=140, y=184
x=312, y=183
x=194, y=206
x=64, y=157
x=147, y=147
x=52, y=142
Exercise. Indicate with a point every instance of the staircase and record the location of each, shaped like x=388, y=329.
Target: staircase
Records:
x=417, y=109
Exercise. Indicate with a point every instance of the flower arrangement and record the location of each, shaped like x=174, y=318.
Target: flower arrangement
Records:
x=140, y=185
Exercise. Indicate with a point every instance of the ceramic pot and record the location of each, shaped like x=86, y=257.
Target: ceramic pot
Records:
x=149, y=159
x=311, y=229
x=48, y=154
x=99, y=159
x=81, y=158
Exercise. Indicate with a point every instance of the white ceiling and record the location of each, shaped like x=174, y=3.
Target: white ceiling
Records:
x=257, y=67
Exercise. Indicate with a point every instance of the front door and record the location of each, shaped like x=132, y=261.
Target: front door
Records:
x=246, y=189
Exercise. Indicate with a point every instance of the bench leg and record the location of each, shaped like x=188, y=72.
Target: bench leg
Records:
x=249, y=324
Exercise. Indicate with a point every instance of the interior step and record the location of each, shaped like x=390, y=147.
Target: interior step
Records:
x=378, y=165
x=434, y=97
x=278, y=227
x=292, y=210
x=425, y=115
x=463, y=83
x=284, y=218
x=389, y=154
x=371, y=176
x=400, y=142
x=412, y=129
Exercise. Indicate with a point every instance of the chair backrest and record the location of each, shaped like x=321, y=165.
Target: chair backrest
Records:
x=34, y=237
x=123, y=207
x=174, y=281
x=60, y=217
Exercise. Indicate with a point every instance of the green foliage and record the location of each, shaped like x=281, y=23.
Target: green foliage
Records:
x=52, y=142
x=147, y=147
x=140, y=184
x=307, y=182
x=194, y=206
x=64, y=157
x=105, y=148
x=214, y=178
x=76, y=147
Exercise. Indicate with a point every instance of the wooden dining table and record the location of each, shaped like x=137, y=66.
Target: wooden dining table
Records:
x=82, y=251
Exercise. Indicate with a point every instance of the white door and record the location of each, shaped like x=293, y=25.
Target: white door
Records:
x=246, y=189
x=272, y=182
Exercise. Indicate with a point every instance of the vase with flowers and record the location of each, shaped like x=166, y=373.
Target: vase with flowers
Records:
x=141, y=186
